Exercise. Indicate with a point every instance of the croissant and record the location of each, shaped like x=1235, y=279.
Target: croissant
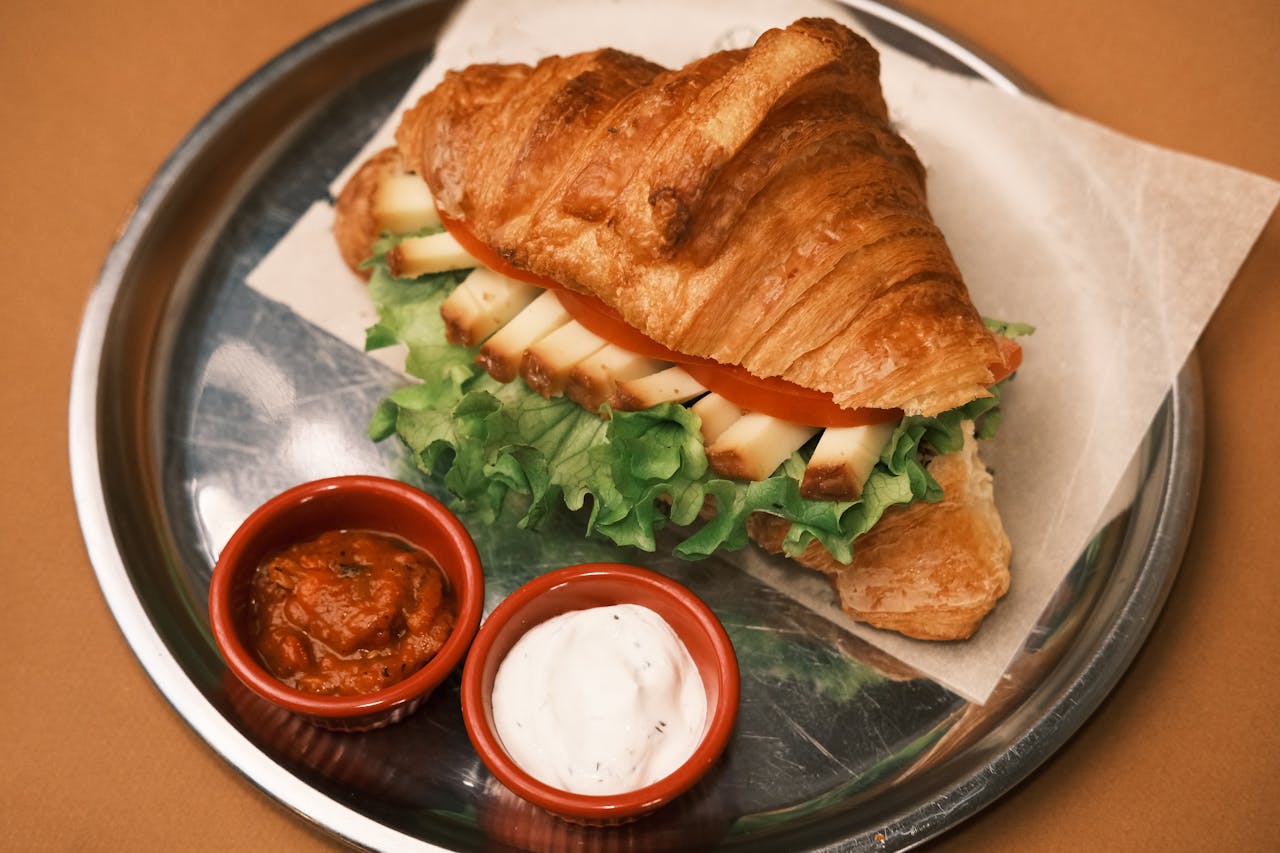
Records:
x=754, y=207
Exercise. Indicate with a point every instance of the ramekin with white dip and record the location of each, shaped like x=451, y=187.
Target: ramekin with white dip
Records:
x=600, y=692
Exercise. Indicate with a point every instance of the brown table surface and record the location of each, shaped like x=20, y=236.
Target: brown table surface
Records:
x=1184, y=754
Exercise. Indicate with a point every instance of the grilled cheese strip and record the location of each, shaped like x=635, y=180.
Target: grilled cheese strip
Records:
x=843, y=459
x=753, y=446
x=672, y=385
x=594, y=380
x=546, y=365
x=438, y=252
x=502, y=353
x=402, y=204
x=717, y=415
x=482, y=304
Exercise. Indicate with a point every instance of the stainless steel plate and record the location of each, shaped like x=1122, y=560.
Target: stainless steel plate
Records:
x=193, y=399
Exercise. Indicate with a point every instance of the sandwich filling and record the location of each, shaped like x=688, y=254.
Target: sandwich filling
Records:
x=644, y=455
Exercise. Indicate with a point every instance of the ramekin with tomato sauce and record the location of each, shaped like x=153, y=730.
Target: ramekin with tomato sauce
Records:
x=347, y=600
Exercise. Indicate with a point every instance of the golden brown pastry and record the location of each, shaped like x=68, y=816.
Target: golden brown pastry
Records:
x=754, y=207
x=358, y=225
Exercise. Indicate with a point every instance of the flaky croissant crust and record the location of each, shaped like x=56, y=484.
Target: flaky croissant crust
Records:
x=356, y=224
x=754, y=207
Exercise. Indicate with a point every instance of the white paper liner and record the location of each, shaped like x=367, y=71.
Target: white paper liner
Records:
x=1116, y=250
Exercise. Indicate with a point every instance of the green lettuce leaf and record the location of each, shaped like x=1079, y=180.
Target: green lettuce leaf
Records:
x=502, y=449
x=409, y=312
x=1009, y=330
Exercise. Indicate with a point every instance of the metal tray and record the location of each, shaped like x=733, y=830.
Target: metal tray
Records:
x=193, y=399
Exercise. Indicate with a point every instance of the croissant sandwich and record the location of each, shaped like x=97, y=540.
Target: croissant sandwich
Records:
x=713, y=295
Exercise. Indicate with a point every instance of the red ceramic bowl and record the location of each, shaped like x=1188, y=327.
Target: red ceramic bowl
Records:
x=353, y=503
x=579, y=588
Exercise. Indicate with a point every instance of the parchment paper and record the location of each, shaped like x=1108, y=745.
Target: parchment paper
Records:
x=1117, y=251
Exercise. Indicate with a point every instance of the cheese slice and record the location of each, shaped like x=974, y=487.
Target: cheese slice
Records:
x=717, y=415
x=672, y=385
x=439, y=252
x=843, y=459
x=504, y=350
x=753, y=446
x=547, y=364
x=403, y=204
x=482, y=304
x=594, y=380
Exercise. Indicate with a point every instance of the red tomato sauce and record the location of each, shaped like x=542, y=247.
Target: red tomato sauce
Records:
x=350, y=612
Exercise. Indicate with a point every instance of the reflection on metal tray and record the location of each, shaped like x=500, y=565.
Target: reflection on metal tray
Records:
x=194, y=400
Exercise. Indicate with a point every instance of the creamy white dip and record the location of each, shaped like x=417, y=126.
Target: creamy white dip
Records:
x=600, y=701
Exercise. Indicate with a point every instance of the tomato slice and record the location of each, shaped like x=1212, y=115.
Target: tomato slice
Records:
x=774, y=396
x=782, y=399
x=1010, y=358
x=479, y=250
x=788, y=401
x=608, y=324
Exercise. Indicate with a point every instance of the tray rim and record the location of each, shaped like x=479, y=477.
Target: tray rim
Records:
x=1106, y=664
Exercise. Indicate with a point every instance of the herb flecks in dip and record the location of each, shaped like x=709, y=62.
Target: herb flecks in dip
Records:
x=350, y=612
